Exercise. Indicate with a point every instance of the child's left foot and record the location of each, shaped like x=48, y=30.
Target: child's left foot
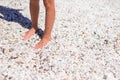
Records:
x=42, y=43
x=29, y=33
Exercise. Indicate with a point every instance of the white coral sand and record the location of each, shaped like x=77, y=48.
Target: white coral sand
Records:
x=85, y=45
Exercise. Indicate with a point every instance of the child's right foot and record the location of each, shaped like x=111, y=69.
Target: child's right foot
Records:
x=29, y=33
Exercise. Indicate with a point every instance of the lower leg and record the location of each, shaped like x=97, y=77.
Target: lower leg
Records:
x=49, y=21
x=50, y=17
x=34, y=11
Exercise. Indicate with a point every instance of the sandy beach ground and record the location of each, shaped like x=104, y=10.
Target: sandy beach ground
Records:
x=85, y=45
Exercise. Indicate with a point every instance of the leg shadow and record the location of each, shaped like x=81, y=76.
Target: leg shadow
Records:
x=13, y=15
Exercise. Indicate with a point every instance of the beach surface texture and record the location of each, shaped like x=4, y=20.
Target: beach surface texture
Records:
x=85, y=44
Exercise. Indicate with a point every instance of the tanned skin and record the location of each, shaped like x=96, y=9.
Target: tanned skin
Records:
x=49, y=21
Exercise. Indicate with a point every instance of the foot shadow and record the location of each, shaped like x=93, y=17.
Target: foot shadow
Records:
x=13, y=15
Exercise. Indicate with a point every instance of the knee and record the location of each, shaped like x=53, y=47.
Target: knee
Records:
x=49, y=4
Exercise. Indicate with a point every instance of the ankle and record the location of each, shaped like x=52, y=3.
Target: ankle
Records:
x=47, y=37
x=34, y=28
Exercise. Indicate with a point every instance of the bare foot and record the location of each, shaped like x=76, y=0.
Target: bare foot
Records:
x=29, y=33
x=42, y=43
